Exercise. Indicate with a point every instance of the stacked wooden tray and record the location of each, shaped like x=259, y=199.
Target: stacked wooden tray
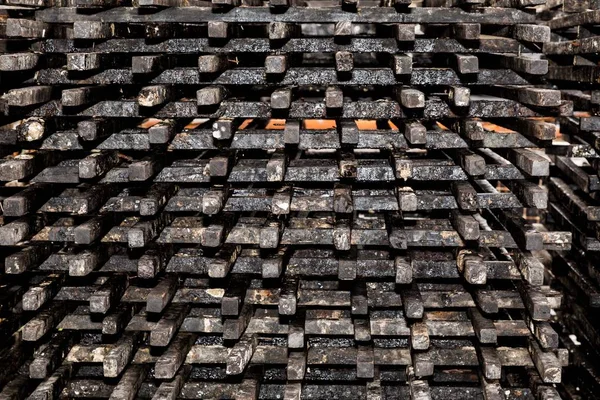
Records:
x=298, y=200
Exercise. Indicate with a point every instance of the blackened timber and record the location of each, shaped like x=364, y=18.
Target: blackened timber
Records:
x=288, y=296
x=116, y=321
x=169, y=363
x=412, y=302
x=153, y=262
x=91, y=230
x=81, y=200
x=20, y=229
x=294, y=45
x=97, y=164
x=83, y=61
x=95, y=128
x=152, y=96
x=148, y=64
x=23, y=165
x=465, y=195
x=37, y=296
x=81, y=96
x=241, y=354
x=109, y=294
x=466, y=64
x=130, y=383
x=522, y=63
x=143, y=231
x=44, y=322
x=376, y=15
x=48, y=357
x=119, y=356
x=546, y=363
x=164, y=331
x=435, y=108
x=162, y=294
x=52, y=386
x=27, y=96
x=465, y=225
x=380, y=225
x=529, y=162
x=531, y=268
x=19, y=61
x=86, y=261
x=580, y=46
x=574, y=202
x=162, y=132
x=525, y=234
x=171, y=388
x=472, y=267
x=419, y=336
x=233, y=298
x=574, y=73
x=233, y=328
x=92, y=30
x=586, y=181
x=530, y=194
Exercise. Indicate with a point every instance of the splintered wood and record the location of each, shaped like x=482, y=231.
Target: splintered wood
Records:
x=290, y=199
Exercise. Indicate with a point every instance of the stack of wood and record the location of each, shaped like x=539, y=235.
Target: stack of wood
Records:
x=298, y=199
x=574, y=188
